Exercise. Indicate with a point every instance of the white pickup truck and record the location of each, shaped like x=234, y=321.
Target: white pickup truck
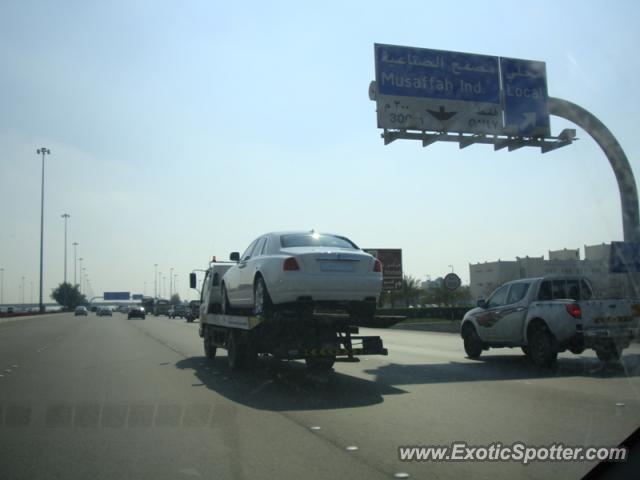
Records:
x=548, y=315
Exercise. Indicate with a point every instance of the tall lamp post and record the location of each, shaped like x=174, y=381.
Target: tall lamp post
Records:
x=42, y=151
x=175, y=284
x=80, y=270
x=66, y=217
x=155, y=280
x=75, y=261
x=170, y=282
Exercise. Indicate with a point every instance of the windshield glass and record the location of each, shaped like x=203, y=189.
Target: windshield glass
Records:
x=315, y=240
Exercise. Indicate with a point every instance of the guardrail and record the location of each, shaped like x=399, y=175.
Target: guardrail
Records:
x=448, y=313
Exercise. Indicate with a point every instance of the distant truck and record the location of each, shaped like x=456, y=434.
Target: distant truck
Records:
x=548, y=315
x=147, y=303
x=317, y=338
x=178, y=310
x=161, y=307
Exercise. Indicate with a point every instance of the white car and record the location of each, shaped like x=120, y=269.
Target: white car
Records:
x=303, y=271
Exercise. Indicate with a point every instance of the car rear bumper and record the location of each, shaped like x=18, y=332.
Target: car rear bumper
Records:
x=294, y=286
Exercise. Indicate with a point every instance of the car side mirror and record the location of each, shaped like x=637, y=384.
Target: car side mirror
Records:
x=482, y=303
x=192, y=280
x=234, y=257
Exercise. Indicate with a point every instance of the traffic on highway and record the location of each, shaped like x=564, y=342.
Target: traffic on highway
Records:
x=280, y=240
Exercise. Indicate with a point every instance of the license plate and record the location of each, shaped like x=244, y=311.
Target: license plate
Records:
x=336, y=266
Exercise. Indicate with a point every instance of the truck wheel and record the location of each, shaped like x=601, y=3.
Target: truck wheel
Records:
x=320, y=363
x=209, y=347
x=472, y=343
x=609, y=352
x=235, y=352
x=262, y=305
x=542, y=350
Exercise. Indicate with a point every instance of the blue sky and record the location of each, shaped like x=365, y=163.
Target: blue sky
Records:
x=181, y=130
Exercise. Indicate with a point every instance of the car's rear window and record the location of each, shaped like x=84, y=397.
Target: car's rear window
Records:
x=315, y=240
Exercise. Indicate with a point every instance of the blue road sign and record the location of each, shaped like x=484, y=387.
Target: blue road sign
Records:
x=524, y=85
x=625, y=257
x=426, y=89
x=116, y=295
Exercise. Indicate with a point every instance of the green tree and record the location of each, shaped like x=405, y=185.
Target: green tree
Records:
x=442, y=296
x=410, y=290
x=175, y=299
x=68, y=296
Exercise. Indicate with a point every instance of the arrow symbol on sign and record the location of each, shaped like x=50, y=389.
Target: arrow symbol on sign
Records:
x=529, y=120
x=441, y=114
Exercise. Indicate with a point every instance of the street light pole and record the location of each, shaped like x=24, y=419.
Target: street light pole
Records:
x=42, y=151
x=155, y=280
x=66, y=217
x=170, y=282
x=451, y=267
x=75, y=260
x=175, y=280
x=80, y=270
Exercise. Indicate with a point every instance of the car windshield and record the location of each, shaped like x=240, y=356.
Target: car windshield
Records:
x=439, y=208
x=315, y=240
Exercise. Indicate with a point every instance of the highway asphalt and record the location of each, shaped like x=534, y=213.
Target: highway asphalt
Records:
x=111, y=398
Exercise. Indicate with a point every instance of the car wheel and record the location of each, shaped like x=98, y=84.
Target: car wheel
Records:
x=608, y=352
x=225, y=308
x=320, y=363
x=542, y=351
x=472, y=342
x=262, y=305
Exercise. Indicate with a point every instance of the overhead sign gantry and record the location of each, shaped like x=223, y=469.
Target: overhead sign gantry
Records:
x=436, y=95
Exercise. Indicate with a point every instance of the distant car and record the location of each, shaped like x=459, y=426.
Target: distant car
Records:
x=103, y=312
x=303, y=271
x=137, y=312
x=81, y=310
x=123, y=309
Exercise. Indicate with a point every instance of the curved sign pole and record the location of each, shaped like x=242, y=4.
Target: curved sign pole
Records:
x=617, y=158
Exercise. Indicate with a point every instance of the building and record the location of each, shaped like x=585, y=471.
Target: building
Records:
x=486, y=277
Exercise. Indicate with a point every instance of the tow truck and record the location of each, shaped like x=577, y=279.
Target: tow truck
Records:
x=319, y=338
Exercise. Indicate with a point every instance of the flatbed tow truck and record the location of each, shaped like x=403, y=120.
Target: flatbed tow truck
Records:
x=318, y=338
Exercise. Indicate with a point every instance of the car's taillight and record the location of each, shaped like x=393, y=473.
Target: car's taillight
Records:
x=290, y=264
x=574, y=310
x=377, y=266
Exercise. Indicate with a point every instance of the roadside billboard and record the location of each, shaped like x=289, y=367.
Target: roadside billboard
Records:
x=391, y=259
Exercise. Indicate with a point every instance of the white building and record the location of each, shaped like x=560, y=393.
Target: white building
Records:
x=487, y=276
